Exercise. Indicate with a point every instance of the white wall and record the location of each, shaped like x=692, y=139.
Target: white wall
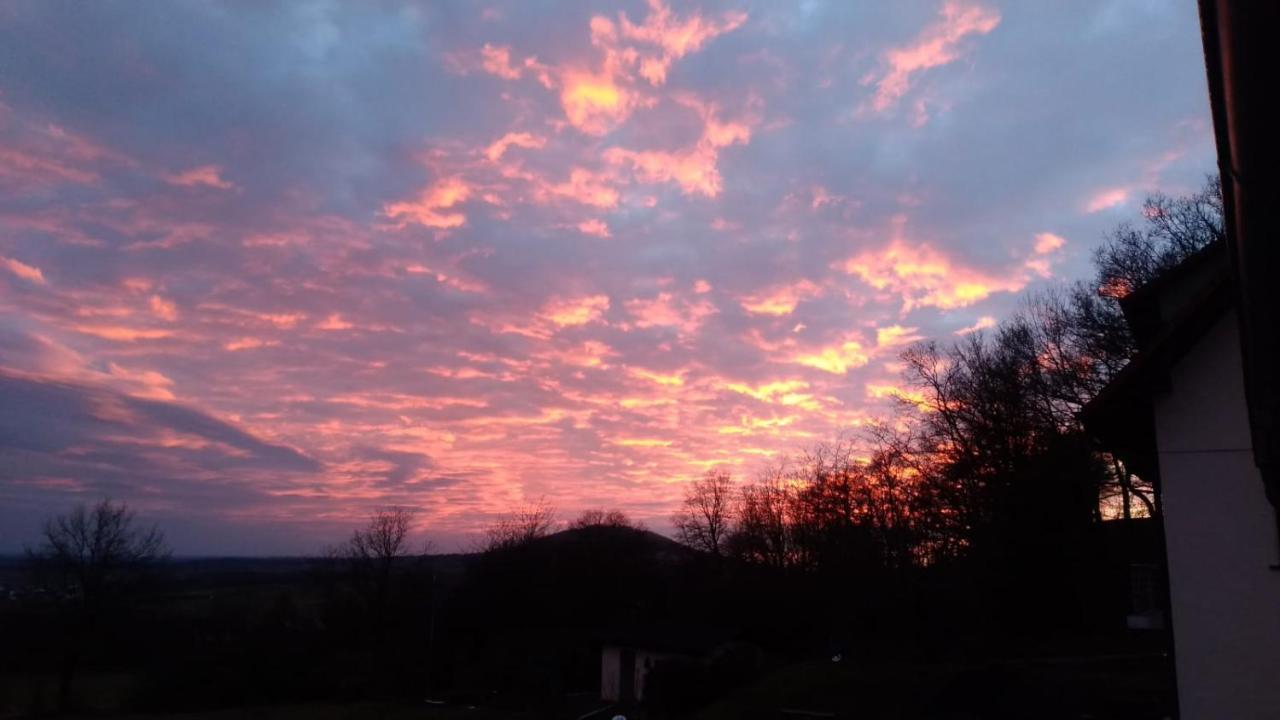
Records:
x=1221, y=539
x=610, y=669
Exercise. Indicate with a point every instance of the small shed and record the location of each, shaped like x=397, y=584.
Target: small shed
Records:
x=627, y=657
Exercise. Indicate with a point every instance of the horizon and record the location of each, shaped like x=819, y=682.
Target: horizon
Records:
x=463, y=259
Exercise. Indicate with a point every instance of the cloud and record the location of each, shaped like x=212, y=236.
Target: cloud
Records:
x=30, y=273
x=938, y=44
x=924, y=276
x=837, y=359
x=983, y=323
x=594, y=226
x=434, y=206
x=1106, y=199
x=498, y=147
x=782, y=300
x=1047, y=243
x=572, y=311
x=205, y=175
x=560, y=251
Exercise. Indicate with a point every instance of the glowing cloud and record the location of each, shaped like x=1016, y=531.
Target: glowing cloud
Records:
x=1106, y=199
x=836, y=359
x=497, y=61
x=926, y=277
x=205, y=175
x=594, y=226
x=163, y=309
x=498, y=147
x=27, y=272
x=983, y=323
x=674, y=37
x=1047, y=242
x=574, y=311
x=937, y=45
x=781, y=300
x=694, y=169
x=427, y=209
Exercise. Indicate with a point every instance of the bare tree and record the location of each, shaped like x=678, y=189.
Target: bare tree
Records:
x=99, y=555
x=99, y=552
x=519, y=527
x=372, y=552
x=703, y=521
x=763, y=532
x=604, y=518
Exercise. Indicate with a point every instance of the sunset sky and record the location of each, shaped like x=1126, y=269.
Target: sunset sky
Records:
x=264, y=267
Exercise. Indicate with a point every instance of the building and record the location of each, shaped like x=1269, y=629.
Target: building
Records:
x=1198, y=409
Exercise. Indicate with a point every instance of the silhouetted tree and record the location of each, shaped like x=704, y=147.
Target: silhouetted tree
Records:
x=372, y=552
x=100, y=556
x=763, y=531
x=704, y=518
x=519, y=527
x=1172, y=230
x=604, y=518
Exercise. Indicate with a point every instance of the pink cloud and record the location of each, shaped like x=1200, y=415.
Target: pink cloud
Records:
x=1106, y=199
x=594, y=226
x=205, y=175
x=20, y=269
x=434, y=205
x=983, y=323
x=926, y=277
x=938, y=44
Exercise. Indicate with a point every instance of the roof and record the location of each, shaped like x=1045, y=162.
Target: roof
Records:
x=1174, y=311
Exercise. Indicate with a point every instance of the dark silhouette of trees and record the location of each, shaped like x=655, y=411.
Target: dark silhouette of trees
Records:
x=99, y=556
x=763, y=531
x=704, y=518
x=519, y=527
x=372, y=554
x=604, y=518
x=1172, y=229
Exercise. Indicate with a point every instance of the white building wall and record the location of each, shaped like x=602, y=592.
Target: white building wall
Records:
x=1221, y=538
x=610, y=670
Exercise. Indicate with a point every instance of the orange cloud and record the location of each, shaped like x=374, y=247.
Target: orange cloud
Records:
x=595, y=102
x=428, y=209
x=925, y=277
x=666, y=310
x=594, y=226
x=334, y=322
x=674, y=37
x=163, y=309
x=781, y=392
x=895, y=336
x=496, y=60
x=27, y=272
x=937, y=45
x=781, y=300
x=247, y=343
x=1047, y=242
x=597, y=99
x=836, y=359
x=570, y=312
x=668, y=379
x=588, y=188
x=499, y=147
x=694, y=169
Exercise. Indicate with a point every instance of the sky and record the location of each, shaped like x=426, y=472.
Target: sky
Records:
x=265, y=267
